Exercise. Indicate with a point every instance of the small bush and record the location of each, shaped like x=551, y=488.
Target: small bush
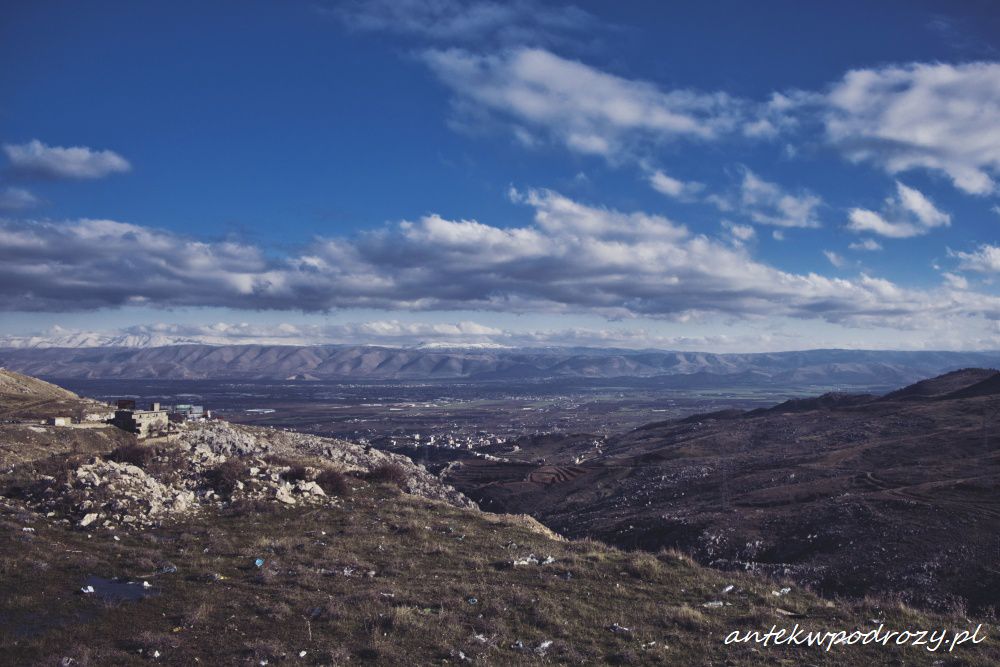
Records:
x=133, y=454
x=388, y=473
x=295, y=473
x=333, y=483
x=224, y=476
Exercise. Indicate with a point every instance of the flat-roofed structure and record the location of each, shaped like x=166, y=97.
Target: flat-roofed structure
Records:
x=144, y=423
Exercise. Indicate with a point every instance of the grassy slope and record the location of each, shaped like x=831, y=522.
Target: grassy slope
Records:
x=429, y=560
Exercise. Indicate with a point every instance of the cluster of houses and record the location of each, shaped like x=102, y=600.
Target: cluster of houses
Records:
x=155, y=420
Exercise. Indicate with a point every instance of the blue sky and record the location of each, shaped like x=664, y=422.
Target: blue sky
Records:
x=719, y=176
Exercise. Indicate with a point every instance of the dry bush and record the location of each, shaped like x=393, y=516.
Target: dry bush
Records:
x=644, y=566
x=133, y=454
x=224, y=476
x=686, y=617
x=334, y=483
x=388, y=473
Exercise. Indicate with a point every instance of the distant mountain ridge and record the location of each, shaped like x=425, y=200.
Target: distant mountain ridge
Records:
x=866, y=368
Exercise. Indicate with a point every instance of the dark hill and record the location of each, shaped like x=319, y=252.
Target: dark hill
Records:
x=848, y=494
x=941, y=385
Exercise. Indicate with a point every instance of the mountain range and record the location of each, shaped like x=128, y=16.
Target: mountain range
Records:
x=859, y=368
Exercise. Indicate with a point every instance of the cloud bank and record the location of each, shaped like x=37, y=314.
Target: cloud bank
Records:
x=573, y=258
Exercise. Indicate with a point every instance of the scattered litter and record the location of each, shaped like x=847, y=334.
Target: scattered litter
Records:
x=118, y=590
x=472, y=600
x=789, y=614
x=28, y=530
x=156, y=654
x=518, y=645
x=717, y=603
x=620, y=629
x=728, y=588
x=543, y=647
x=259, y=562
x=302, y=654
x=480, y=638
x=783, y=591
x=548, y=560
x=116, y=538
x=168, y=568
x=388, y=595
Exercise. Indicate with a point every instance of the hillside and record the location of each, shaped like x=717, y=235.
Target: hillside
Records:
x=25, y=397
x=846, y=494
x=874, y=369
x=236, y=545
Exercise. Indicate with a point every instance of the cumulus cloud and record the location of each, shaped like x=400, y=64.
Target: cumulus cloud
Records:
x=866, y=244
x=17, y=199
x=573, y=258
x=955, y=281
x=740, y=233
x=767, y=203
x=834, y=259
x=460, y=21
x=985, y=259
x=78, y=162
x=910, y=213
x=542, y=96
x=672, y=187
x=940, y=117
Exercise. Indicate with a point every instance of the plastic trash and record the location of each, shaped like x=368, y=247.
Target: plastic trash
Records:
x=259, y=562
x=87, y=590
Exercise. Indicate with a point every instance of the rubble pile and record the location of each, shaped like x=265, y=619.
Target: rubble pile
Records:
x=109, y=493
x=211, y=442
x=184, y=476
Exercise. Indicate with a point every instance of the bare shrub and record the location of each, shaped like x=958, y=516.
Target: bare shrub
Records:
x=334, y=483
x=388, y=473
x=224, y=476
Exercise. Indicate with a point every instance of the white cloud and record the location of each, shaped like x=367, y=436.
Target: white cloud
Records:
x=940, y=117
x=955, y=281
x=910, y=213
x=740, y=232
x=834, y=259
x=672, y=187
x=17, y=199
x=582, y=108
x=767, y=204
x=79, y=162
x=985, y=259
x=866, y=244
x=573, y=258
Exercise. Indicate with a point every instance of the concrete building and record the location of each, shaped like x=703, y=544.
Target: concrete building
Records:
x=144, y=423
